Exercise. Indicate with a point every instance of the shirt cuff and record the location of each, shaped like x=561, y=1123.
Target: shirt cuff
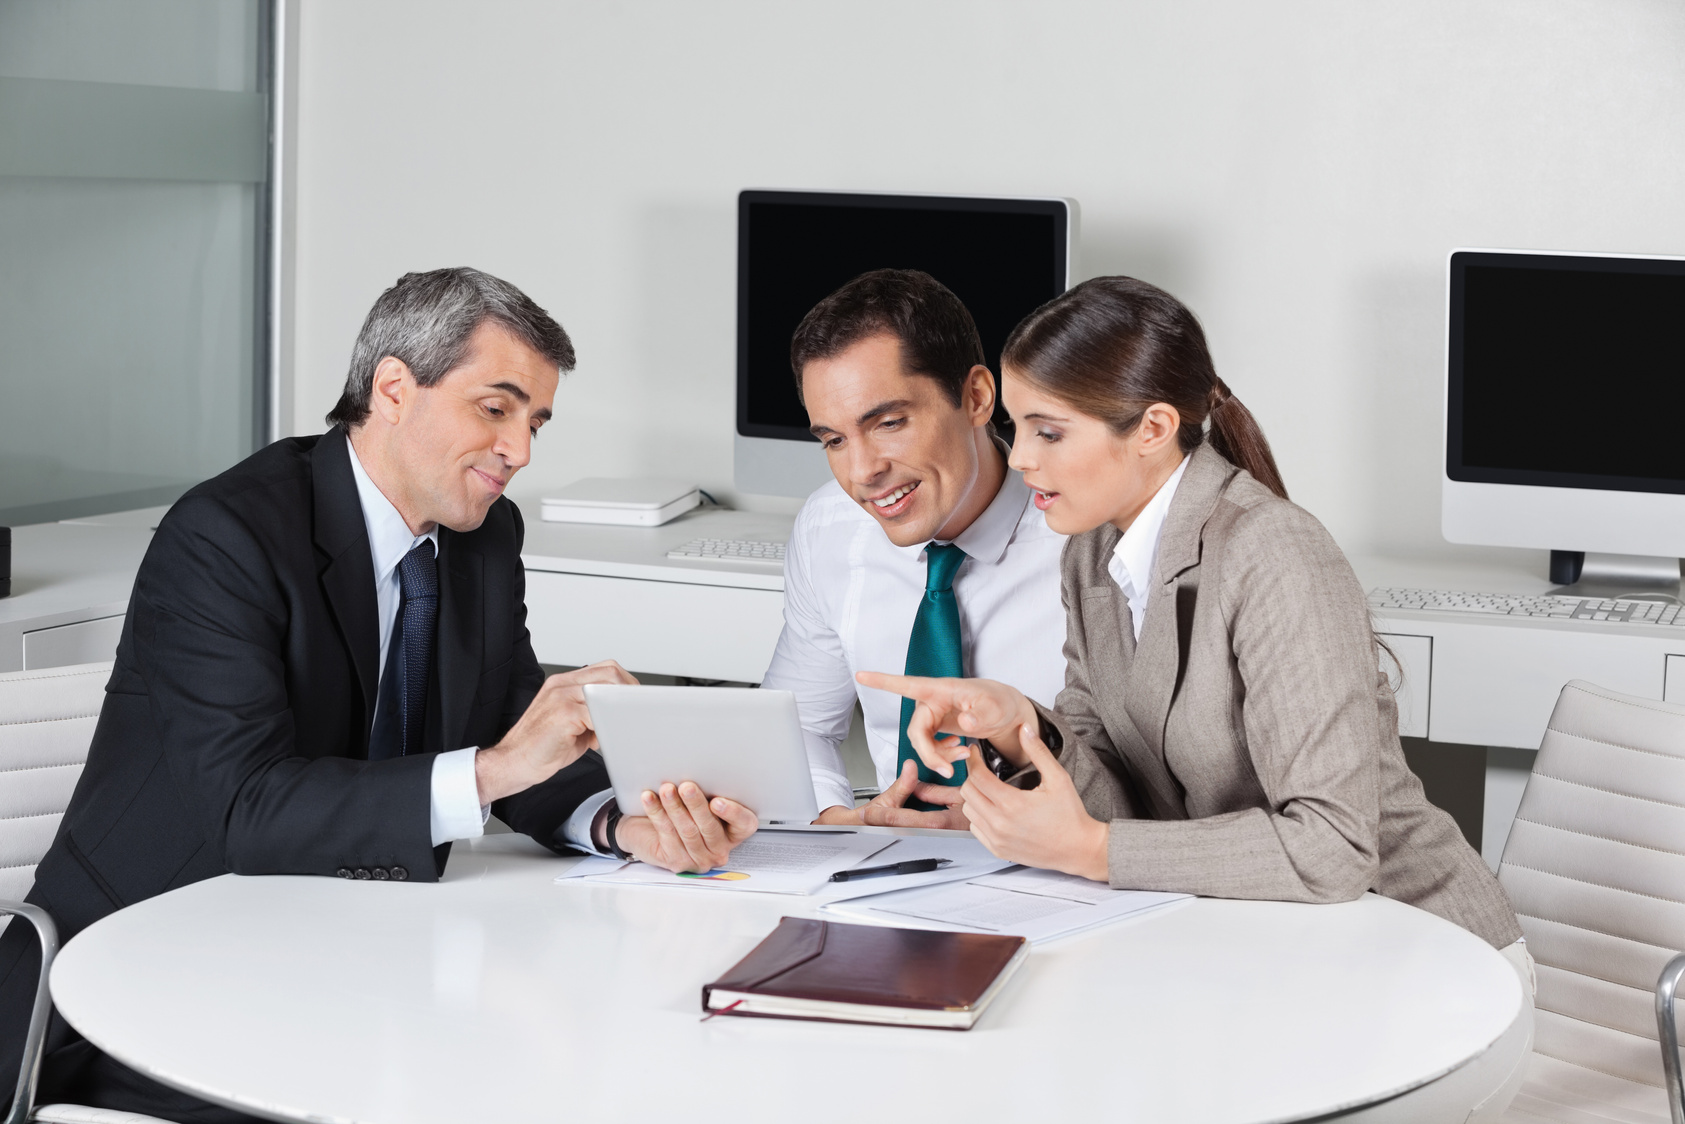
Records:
x=576, y=832
x=456, y=811
x=832, y=789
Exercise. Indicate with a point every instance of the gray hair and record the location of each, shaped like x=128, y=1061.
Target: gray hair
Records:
x=425, y=321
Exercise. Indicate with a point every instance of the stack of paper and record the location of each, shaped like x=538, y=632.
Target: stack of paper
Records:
x=624, y=503
x=1036, y=904
x=802, y=862
x=974, y=893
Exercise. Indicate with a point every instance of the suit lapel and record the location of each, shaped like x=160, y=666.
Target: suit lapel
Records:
x=347, y=575
x=461, y=608
x=1109, y=637
x=1162, y=655
x=1151, y=687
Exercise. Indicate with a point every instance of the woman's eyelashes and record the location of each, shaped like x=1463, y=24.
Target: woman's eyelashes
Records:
x=1049, y=435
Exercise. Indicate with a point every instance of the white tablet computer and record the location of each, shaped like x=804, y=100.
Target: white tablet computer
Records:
x=741, y=743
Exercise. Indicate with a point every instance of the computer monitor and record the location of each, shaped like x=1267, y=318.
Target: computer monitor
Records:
x=1002, y=257
x=1565, y=396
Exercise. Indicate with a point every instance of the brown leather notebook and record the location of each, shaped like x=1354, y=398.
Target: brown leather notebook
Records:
x=827, y=970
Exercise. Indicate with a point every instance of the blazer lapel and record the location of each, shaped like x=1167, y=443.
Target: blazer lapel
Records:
x=461, y=609
x=1162, y=654
x=347, y=575
x=1109, y=643
x=1151, y=687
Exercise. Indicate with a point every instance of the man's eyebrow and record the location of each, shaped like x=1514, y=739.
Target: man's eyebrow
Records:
x=542, y=413
x=883, y=408
x=879, y=410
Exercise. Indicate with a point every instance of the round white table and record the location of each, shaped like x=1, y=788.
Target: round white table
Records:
x=498, y=995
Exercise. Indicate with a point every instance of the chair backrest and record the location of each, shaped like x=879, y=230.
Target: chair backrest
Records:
x=47, y=719
x=1595, y=867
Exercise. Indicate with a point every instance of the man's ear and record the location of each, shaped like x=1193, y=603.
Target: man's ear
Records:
x=979, y=396
x=393, y=387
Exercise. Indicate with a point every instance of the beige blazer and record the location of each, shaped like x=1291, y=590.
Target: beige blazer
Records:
x=1249, y=748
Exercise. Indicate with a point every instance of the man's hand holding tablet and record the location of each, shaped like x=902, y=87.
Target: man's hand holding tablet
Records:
x=681, y=829
x=673, y=755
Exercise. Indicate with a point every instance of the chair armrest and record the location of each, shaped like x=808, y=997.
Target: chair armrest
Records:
x=23, y=1103
x=1668, y=1032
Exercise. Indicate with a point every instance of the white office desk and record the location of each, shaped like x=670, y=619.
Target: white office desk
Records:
x=500, y=996
x=1492, y=681
x=596, y=592
x=1489, y=680
x=600, y=592
x=70, y=589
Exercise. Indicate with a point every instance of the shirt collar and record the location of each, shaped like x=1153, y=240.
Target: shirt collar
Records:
x=991, y=532
x=389, y=536
x=1136, y=551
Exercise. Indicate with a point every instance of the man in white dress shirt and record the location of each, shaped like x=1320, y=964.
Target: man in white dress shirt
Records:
x=890, y=368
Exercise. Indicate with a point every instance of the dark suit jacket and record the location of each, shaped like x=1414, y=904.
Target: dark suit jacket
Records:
x=234, y=735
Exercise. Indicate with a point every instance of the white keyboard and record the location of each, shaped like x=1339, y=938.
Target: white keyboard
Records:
x=1614, y=611
x=729, y=550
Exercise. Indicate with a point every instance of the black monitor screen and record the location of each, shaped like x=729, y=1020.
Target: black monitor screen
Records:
x=1567, y=372
x=1002, y=258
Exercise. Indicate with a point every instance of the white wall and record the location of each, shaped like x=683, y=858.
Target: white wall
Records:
x=1295, y=171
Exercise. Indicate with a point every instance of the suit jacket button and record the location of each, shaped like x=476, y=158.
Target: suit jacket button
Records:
x=399, y=874
x=362, y=873
x=380, y=874
x=344, y=872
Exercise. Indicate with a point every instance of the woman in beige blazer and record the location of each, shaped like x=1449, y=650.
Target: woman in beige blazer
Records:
x=1224, y=729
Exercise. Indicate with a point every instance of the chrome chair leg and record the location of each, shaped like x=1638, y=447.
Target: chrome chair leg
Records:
x=23, y=1103
x=1668, y=1031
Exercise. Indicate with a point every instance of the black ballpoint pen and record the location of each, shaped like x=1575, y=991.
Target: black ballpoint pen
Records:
x=911, y=866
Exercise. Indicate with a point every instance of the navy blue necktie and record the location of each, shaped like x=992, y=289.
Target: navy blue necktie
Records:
x=401, y=712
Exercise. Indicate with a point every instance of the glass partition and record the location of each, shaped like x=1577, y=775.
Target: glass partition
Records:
x=134, y=243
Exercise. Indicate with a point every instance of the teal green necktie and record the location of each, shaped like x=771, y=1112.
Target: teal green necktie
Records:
x=934, y=650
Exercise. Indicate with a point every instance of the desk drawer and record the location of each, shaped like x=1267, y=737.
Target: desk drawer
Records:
x=92, y=641
x=666, y=628
x=1410, y=678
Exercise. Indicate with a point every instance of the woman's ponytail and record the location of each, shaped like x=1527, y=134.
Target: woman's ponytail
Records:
x=1235, y=434
x=1112, y=346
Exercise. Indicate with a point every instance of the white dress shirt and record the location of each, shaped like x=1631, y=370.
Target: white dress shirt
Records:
x=850, y=596
x=456, y=811
x=1136, y=552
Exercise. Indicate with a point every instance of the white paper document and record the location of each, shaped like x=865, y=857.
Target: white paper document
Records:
x=1039, y=905
x=966, y=856
x=589, y=865
x=768, y=862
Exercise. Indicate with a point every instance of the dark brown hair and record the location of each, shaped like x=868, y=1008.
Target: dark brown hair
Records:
x=1112, y=346
x=938, y=336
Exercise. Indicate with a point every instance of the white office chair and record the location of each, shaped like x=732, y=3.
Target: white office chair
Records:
x=47, y=719
x=1595, y=867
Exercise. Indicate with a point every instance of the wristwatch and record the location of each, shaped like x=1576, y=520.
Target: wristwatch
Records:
x=613, y=821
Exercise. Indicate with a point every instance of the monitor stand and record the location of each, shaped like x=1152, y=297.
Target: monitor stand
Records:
x=1631, y=576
